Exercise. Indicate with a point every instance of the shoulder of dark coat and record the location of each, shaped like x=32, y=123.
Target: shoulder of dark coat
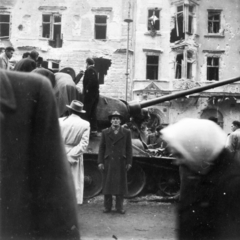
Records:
x=125, y=130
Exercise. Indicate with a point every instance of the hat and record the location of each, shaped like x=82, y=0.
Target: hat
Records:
x=199, y=141
x=115, y=114
x=76, y=106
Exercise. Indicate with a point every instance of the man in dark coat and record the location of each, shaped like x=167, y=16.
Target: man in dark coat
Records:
x=25, y=65
x=37, y=197
x=91, y=93
x=115, y=159
x=210, y=183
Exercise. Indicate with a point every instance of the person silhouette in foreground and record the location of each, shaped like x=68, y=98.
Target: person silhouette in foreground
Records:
x=210, y=183
x=37, y=196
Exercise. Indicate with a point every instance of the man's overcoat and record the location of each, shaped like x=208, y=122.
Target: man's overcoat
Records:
x=37, y=197
x=75, y=134
x=115, y=152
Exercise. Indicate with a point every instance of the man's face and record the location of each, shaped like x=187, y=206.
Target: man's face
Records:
x=115, y=121
x=233, y=127
x=9, y=54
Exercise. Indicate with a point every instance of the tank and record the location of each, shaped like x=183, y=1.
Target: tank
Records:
x=151, y=170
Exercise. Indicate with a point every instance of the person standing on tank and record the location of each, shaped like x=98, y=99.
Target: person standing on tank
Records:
x=91, y=93
x=114, y=160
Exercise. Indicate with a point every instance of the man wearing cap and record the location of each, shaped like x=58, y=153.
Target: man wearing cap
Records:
x=75, y=134
x=114, y=160
x=91, y=93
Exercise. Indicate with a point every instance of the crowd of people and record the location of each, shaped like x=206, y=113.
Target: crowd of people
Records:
x=43, y=137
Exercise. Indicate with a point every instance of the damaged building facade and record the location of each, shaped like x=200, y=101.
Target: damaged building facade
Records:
x=142, y=49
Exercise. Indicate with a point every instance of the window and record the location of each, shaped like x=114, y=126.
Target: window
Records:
x=153, y=19
x=4, y=26
x=152, y=67
x=102, y=65
x=100, y=27
x=52, y=65
x=189, y=64
x=212, y=68
x=178, y=66
x=214, y=21
x=183, y=22
x=190, y=19
x=51, y=28
x=183, y=65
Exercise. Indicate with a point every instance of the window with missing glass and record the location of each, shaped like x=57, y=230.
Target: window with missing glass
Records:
x=183, y=21
x=101, y=27
x=152, y=67
x=154, y=19
x=212, y=68
x=4, y=26
x=214, y=21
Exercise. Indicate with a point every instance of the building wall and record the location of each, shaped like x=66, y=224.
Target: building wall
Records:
x=227, y=44
x=228, y=41
x=77, y=29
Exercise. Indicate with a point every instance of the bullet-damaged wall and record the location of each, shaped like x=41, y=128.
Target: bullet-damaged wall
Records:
x=226, y=41
x=78, y=35
x=146, y=43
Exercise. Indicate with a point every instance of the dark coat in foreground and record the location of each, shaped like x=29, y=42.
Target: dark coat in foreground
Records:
x=37, y=197
x=210, y=208
x=115, y=152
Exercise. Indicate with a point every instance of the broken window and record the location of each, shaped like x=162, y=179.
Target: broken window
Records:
x=212, y=68
x=214, y=17
x=51, y=28
x=178, y=66
x=153, y=19
x=102, y=65
x=101, y=27
x=183, y=65
x=4, y=26
x=183, y=22
x=190, y=19
x=152, y=67
x=189, y=64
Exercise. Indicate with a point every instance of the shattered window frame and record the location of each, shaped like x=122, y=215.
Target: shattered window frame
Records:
x=179, y=69
x=190, y=12
x=156, y=25
x=6, y=29
x=99, y=26
x=183, y=21
x=213, y=67
x=184, y=64
x=152, y=67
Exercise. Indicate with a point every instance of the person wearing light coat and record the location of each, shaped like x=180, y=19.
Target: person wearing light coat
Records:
x=75, y=134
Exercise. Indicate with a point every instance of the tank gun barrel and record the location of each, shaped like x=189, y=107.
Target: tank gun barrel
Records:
x=135, y=107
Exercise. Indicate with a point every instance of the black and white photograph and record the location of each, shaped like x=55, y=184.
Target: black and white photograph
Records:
x=119, y=120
